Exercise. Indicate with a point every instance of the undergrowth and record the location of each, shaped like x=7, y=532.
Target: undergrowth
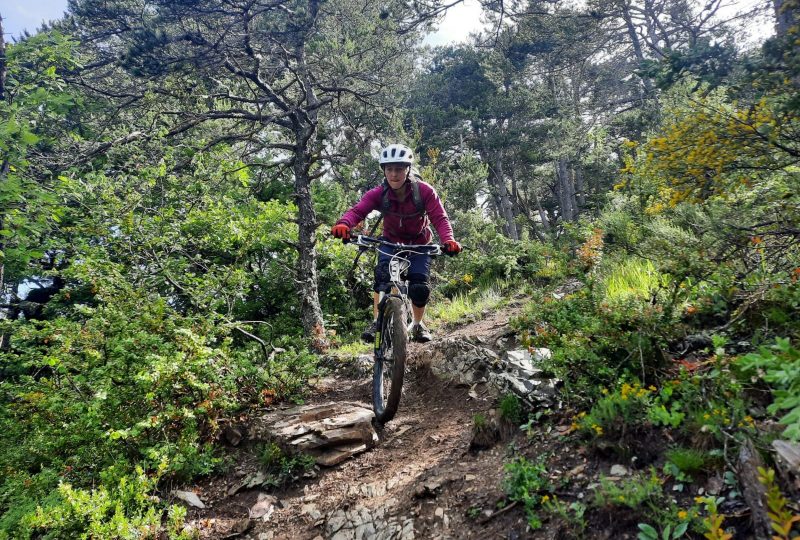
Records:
x=99, y=410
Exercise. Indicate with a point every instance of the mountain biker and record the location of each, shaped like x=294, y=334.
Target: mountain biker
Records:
x=409, y=206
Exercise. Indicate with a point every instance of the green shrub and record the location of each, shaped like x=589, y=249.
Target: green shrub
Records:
x=779, y=367
x=594, y=343
x=92, y=397
x=647, y=532
x=616, y=415
x=108, y=512
x=633, y=492
x=526, y=482
x=687, y=460
x=511, y=409
x=491, y=257
x=571, y=515
x=283, y=468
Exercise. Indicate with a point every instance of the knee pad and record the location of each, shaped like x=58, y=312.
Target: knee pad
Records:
x=381, y=277
x=419, y=291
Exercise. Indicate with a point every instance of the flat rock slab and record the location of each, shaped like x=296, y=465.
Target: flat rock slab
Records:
x=330, y=432
x=516, y=371
x=362, y=523
x=787, y=460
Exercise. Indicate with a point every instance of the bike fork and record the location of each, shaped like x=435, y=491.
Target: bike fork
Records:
x=376, y=346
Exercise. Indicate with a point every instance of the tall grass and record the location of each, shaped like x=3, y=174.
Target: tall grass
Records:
x=630, y=279
x=462, y=306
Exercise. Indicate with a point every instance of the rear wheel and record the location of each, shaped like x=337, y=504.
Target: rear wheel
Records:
x=387, y=379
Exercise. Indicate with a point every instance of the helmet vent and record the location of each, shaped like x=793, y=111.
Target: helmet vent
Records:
x=397, y=153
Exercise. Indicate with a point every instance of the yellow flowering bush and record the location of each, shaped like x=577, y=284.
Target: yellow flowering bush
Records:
x=617, y=412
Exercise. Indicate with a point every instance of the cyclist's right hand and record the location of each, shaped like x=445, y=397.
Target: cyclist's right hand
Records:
x=340, y=230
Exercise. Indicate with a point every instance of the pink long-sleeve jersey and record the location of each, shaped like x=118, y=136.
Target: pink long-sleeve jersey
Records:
x=403, y=224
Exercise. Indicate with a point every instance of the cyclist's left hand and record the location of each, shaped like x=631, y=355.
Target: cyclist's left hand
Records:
x=451, y=247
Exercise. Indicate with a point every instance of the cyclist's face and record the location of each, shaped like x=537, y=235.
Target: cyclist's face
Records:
x=396, y=174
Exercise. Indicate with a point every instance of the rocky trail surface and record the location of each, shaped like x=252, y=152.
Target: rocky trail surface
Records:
x=435, y=471
x=422, y=477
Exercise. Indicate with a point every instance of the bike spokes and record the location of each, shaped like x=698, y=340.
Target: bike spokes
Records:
x=389, y=361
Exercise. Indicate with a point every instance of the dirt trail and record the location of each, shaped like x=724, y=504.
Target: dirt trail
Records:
x=420, y=481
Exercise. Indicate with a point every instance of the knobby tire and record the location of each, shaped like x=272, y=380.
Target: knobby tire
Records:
x=387, y=380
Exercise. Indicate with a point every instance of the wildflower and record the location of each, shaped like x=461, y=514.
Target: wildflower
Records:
x=545, y=498
x=597, y=429
x=706, y=416
x=604, y=391
x=621, y=498
x=652, y=388
x=683, y=514
x=467, y=278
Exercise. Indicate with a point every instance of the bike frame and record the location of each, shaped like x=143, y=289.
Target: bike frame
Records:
x=398, y=264
x=390, y=367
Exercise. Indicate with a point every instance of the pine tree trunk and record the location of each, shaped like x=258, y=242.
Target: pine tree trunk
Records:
x=635, y=42
x=2, y=62
x=785, y=17
x=580, y=189
x=565, y=189
x=4, y=341
x=542, y=214
x=305, y=132
x=310, y=310
x=506, y=206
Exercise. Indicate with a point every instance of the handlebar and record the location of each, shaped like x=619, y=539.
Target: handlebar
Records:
x=368, y=242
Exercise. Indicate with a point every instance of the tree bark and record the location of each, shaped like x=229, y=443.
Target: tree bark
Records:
x=305, y=131
x=785, y=16
x=310, y=309
x=3, y=171
x=506, y=207
x=542, y=214
x=495, y=200
x=635, y=42
x=580, y=189
x=2, y=62
x=565, y=189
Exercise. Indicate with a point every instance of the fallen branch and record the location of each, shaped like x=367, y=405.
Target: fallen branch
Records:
x=501, y=511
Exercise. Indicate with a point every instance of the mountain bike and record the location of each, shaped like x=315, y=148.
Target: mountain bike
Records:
x=394, y=318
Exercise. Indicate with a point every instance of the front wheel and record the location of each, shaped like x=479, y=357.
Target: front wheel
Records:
x=387, y=379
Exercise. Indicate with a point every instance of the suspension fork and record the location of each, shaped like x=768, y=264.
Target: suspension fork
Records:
x=377, y=344
x=383, y=297
x=399, y=290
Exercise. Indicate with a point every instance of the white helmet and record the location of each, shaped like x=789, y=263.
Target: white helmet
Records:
x=397, y=153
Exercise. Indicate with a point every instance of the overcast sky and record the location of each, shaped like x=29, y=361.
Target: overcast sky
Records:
x=29, y=14
x=456, y=26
